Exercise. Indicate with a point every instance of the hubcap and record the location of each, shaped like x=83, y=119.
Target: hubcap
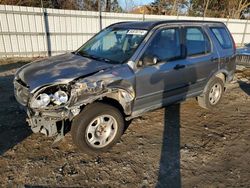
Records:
x=101, y=131
x=215, y=93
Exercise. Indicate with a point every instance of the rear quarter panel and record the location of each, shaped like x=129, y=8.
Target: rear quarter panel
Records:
x=227, y=57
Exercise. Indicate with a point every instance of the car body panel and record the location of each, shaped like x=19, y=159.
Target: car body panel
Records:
x=243, y=51
x=175, y=85
x=243, y=55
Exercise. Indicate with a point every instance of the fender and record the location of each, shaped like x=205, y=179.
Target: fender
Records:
x=91, y=89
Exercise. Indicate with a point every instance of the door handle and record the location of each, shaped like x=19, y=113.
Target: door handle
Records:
x=178, y=66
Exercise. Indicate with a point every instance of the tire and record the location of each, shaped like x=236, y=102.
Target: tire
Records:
x=88, y=128
x=212, y=93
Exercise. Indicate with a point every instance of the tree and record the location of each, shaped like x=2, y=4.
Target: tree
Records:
x=31, y=3
x=108, y=5
x=219, y=8
x=115, y=7
x=206, y=3
x=112, y=6
x=90, y=5
x=237, y=8
x=168, y=7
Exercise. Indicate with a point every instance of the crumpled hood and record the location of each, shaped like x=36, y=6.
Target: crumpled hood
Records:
x=58, y=69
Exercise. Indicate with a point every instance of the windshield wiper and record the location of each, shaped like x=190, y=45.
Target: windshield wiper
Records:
x=90, y=56
x=76, y=53
x=95, y=57
x=105, y=59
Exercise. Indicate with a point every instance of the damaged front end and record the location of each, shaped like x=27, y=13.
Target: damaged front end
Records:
x=51, y=108
x=99, y=87
x=47, y=108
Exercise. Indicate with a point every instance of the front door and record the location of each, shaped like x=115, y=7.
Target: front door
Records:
x=163, y=82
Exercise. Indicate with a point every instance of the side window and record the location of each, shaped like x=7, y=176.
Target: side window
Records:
x=222, y=36
x=165, y=45
x=197, y=42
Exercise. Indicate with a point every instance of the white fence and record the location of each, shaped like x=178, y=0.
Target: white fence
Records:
x=29, y=31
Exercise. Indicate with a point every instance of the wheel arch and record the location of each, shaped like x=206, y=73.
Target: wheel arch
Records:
x=113, y=102
x=222, y=74
x=115, y=99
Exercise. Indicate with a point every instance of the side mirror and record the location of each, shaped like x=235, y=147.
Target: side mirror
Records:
x=149, y=60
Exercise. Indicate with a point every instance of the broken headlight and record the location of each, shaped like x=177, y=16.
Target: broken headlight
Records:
x=49, y=97
x=41, y=101
x=60, y=97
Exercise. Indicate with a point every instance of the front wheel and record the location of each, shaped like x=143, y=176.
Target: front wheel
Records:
x=212, y=93
x=97, y=128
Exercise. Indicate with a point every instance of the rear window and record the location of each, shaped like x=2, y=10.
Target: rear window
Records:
x=223, y=37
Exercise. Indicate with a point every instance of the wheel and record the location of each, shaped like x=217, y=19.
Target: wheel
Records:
x=97, y=128
x=212, y=93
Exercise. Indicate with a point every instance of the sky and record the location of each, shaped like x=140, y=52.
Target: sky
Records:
x=129, y=4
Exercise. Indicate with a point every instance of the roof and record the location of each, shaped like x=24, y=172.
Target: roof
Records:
x=150, y=24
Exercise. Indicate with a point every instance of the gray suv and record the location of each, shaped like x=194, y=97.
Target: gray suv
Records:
x=125, y=70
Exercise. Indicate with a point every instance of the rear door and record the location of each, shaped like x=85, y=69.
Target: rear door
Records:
x=201, y=57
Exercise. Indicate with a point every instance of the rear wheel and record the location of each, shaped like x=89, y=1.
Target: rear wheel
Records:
x=97, y=128
x=212, y=93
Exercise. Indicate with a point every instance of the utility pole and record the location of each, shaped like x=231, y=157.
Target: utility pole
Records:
x=46, y=35
x=143, y=16
x=245, y=32
x=100, y=14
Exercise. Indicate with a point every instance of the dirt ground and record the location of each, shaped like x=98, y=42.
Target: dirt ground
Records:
x=180, y=146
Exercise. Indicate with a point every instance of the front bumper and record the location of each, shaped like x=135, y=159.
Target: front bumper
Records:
x=48, y=122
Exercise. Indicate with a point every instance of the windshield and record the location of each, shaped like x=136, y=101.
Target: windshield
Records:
x=113, y=45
